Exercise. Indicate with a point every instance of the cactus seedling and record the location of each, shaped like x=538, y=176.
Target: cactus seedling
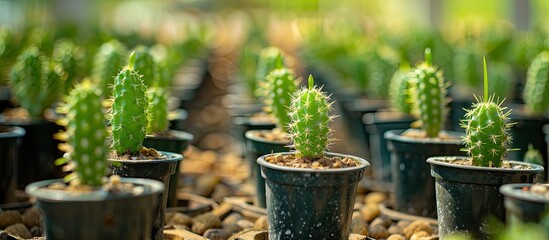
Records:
x=399, y=93
x=129, y=110
x=283, y=84
x=310, y=116
x=158, y=109
x=108, y=61
x=487, y=138
x=536, y=90
x=429, y=92
x=86, y=135
x=35, y=81
x=144, y=64
x=533, y=156
x=269, y=59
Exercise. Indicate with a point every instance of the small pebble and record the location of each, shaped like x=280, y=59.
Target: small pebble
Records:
x=232, y=218
x=262, y=223
x=369, y=212
x=220, y=192
x=359, y=226
x=36, y=231
x=252, y=235
x=244, y=224
x=19, y=230
x=420, y=234
x=205, y=185
x=403, y=223
x=378, y=232
x=396, y=237
x=375, y=198
x=394, y=229
x=216, y=234
x=205, y=221
x=385, y=222
x=417, y=226
x=231, y=227
x=177, y=218
x=32, y=217
x=10, y=217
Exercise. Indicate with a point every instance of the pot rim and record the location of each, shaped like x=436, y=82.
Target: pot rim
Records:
x=171, y=157
x=36, y=189
x=436, y=161
x=363, y=164
x=513, y=191
x=177, y=135
x=250, y=136
x=393, y=136
x=14, y=131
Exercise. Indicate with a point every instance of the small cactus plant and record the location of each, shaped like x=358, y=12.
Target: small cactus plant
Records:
x=85, y=136
x=108, y=61
x=282, y=83
x=533, y=156
x=536, y=90
x=487, y=137
x=67, y=53
x=399, y=93
x=158, y=109
x=35, y=81
x=129, y=110
x=144, y=64
x=269, y=59
x=310, y=115
x=429, y=94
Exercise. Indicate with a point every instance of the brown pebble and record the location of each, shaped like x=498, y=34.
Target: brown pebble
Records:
x=178, y=219
x=20, y=230
x=252, y=235
x=378, y=232
x=243, y=223
x=262, y=223
x=205, y=185
x=417, y=226
x=429, y=238
x=205, y=221
x=403, y=223
x=231, y=227
x=396, y=237
x=394, y=229
x=383, y=221
x=354, y=236
x=359, y=226
x=369, y=212
x=32, y=217
x=216, y=234
x=36, y=231
x=420, y=234
x=220, y=192
x=375, y=198
x=10, y=217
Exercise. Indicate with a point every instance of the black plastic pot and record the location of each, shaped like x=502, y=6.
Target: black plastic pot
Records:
x=376, y=125
x=257, y=147
x=522, y=206
x=457, y=112
x=177, y=119
x=528, y=130
x=98, y=214
x=413, y=187
x=242, y=124
x=38, y=151
x=177, y=142
x=10, y=140
x=308, y=203
x=160, y=170
x=468, y=195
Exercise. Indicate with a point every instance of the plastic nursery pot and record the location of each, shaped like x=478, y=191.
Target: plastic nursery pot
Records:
x=413, y=187
x=257, y=147
x=468, y=195
x=37, y=152
x=98, y=214
x=376, y=125
x=160, y=170
x=177, y=119
x=522, y=206
x=176, y=142
x=528, y=130
x=10, y=140
x=310, y=204
x=242, y=124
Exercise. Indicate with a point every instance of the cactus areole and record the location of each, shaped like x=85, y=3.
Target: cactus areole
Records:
x=129, y=111
x=309, y=115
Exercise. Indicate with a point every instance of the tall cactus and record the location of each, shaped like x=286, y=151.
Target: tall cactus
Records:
x=35, y=81
x=86, y=134
x=487, y=137
x=400, y=92
x=158, y=109
x=129, y=110
x=108, y=61
x=270, y=59
x=429, y=93
x=283, y=84
x=310, y=115
x=536, y=91
x=67, y=53
x=144, y=64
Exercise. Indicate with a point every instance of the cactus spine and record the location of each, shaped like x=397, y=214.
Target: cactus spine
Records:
x=144, y=64
x=283, y=84
x=158, y=109
x=269, y=59
x=429, y=92
x=536, y=90
x=487, y=137
x=309, y=113
x=108, y=61
x=35, y=81
x=400, y=92
x=86, y=134
x=129, y=110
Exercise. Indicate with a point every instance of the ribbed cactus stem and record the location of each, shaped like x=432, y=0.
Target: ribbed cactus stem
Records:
x=283, y=84
x=533, y=156
x=158, y=109
x=269, y=59
x=536, y=90
x=87, y=134
x=144, y=64
x=108, y=61
x=309, y=113
x=400, y=89
x=129, y=110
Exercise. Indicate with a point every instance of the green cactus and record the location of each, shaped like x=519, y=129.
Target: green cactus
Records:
x=429, y=94
x=283, y=84
x=108, y=61
x=309, y=113
x=400, y=86
x=164, y=68
x=67, y=53
x=487, y=137
x=158, y=109
x=86, y=135
x=536, y=90
x=35, y=81
x=144, y=64
x=270, y=59
x=466, y=67
x=129, y=110
x=533, y=156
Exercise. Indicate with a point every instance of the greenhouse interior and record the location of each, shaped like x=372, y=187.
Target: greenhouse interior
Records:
x=280, y=119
